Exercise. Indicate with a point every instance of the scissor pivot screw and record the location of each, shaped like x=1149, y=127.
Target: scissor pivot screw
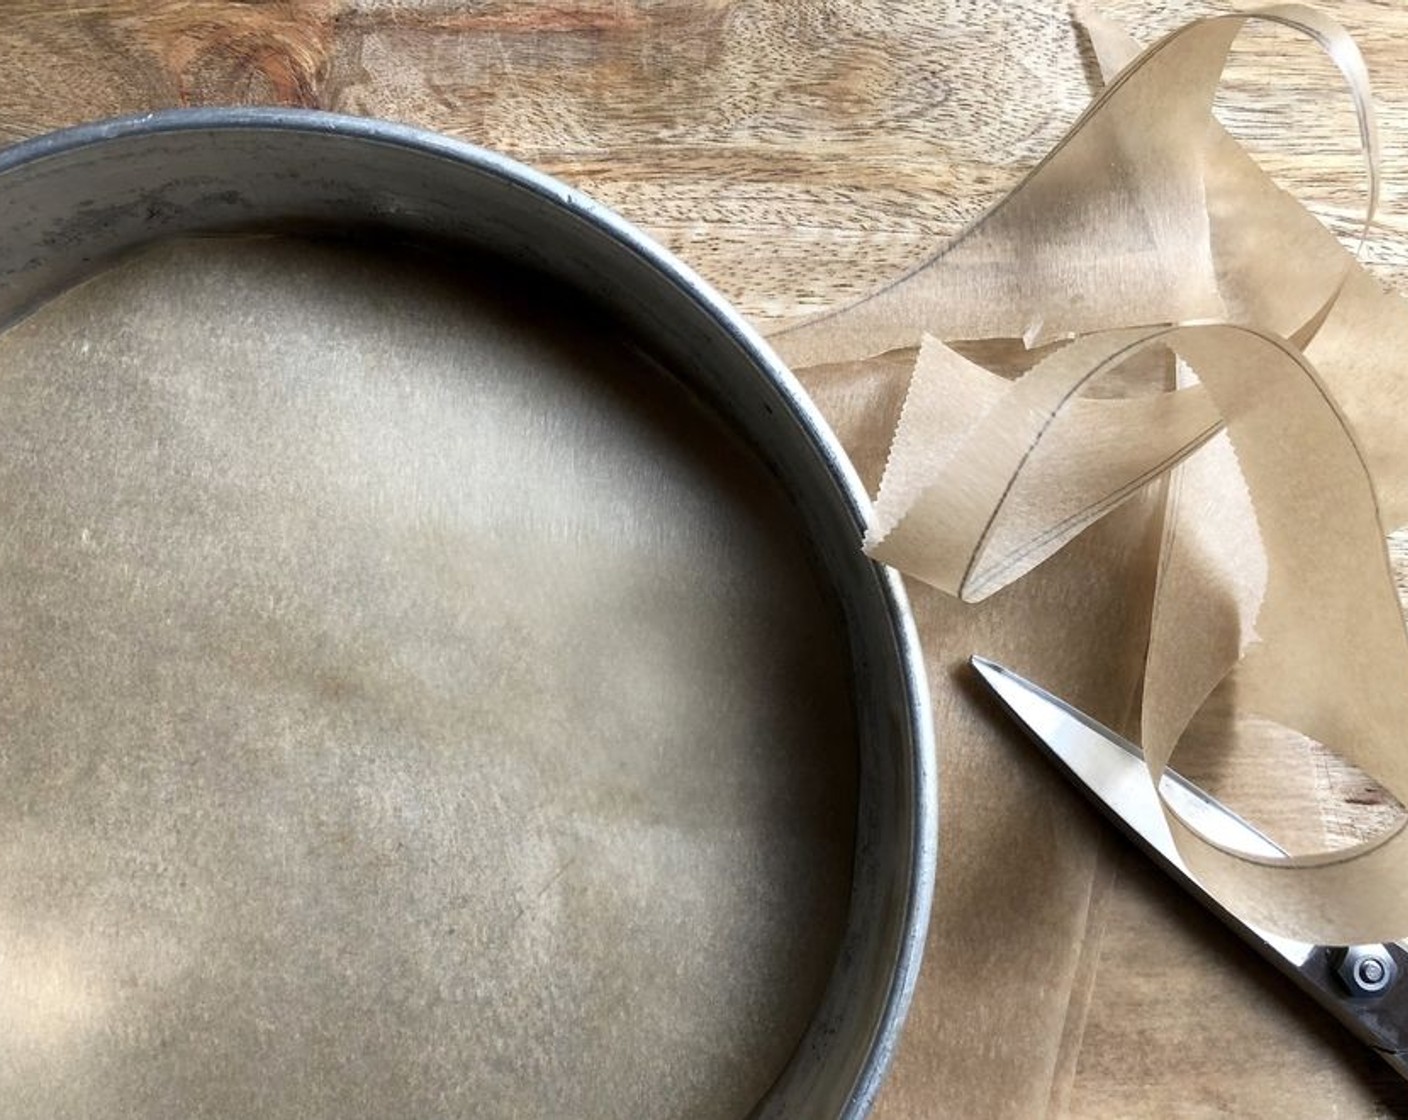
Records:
x=1366, y=970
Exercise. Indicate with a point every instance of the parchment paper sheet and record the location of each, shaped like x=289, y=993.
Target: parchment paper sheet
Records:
x=410, y=705
x=1048, y=939
x=1017, y=867
x=1310, y=597
x=1273, y=579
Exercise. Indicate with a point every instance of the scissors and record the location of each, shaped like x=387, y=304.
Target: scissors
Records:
x=1365, y=987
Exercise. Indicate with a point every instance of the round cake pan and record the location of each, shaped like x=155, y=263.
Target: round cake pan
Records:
x=75, y=201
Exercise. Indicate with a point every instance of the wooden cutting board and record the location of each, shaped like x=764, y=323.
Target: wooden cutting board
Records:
x=797, y=154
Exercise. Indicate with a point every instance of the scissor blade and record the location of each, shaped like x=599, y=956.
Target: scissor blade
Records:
x=1113, y=773
x=1111, y=769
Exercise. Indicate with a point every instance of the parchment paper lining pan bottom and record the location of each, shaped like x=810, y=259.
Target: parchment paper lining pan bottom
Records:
x=78, y=200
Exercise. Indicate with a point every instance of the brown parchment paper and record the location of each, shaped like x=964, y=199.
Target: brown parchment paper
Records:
x=405, y=709
x=1017, y=871
x=1003, y=1022
x=1273, y=583
x=1128, y=179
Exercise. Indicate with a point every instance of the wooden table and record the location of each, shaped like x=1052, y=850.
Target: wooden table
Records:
x=798, y=153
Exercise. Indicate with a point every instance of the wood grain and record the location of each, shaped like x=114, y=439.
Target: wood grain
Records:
x=796, y=154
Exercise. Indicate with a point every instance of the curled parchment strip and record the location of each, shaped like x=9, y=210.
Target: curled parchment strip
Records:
x=1280, y=269
x=1150, y=228
x=1038, y=463
x=1126, y=180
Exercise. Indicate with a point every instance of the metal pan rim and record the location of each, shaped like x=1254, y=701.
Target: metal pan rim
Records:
x=839, y=1065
